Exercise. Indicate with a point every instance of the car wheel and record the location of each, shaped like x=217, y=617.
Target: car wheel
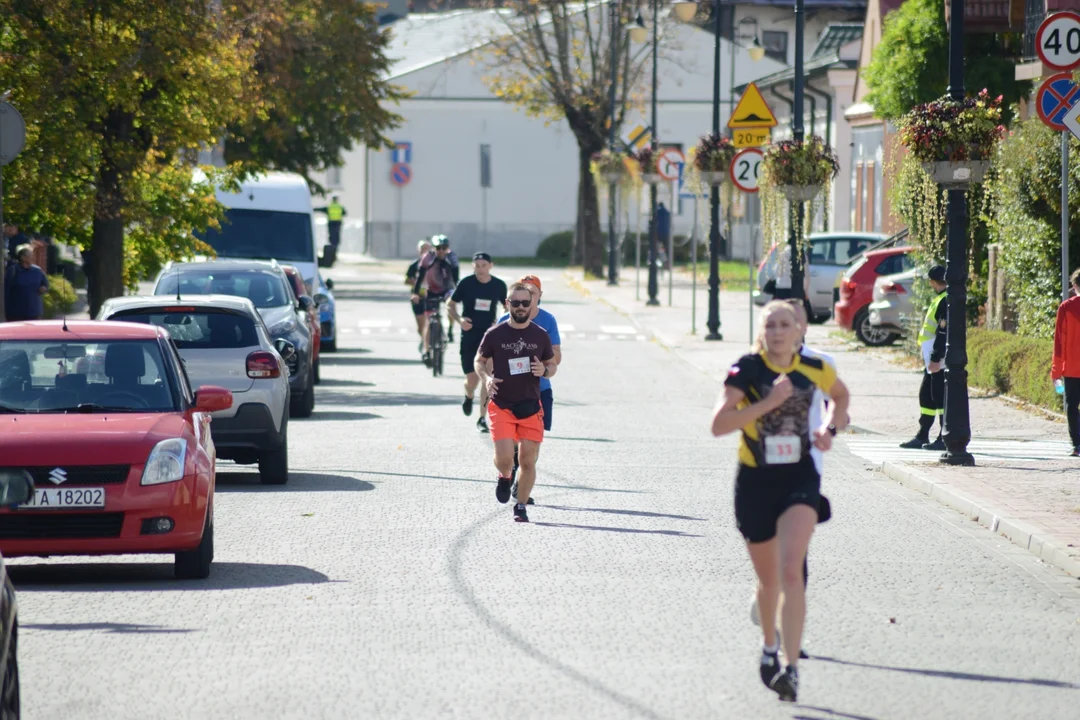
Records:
x=195, y=564
x=303, y=406
x=871, y=335
x=274, y=464
x=9, y=699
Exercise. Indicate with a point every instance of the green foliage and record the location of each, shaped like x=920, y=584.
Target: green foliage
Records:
x=556, y=247
x=1024, y=216
x=957, y=130
x=60, y=298
x=1013, y=365
x=911, y=64
x=794, y=162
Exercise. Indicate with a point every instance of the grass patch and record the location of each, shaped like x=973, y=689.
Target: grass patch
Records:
x=734, y=275
x=532, y=262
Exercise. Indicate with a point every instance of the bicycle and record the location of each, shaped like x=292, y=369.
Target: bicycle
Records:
x=436, y=337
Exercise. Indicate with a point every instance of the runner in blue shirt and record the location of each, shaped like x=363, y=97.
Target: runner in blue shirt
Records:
x=548, y=322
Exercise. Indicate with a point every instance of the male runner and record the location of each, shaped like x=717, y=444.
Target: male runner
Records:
x=434, y=281
x=481, y=295
x=547, y=321
x=423, y=247
x=520, y=354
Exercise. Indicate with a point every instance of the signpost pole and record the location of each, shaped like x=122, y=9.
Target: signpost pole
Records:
x=1064, y=216
x=693, y=275
x=637, y=251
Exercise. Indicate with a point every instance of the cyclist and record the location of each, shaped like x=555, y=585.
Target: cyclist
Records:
x=480, y=295
x=548, y=322
x=767, y=396
x=434, y=282
x=519, y=354
x=423, y=247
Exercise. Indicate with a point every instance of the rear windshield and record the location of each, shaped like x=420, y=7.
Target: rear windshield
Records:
x=192, y=328
x=46, y=376
x=263, y=234
x=263, y=288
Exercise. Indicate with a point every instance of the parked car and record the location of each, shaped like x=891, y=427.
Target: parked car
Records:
x=829, y=254
x=267, y=286
x=16, y=487
x=296, y=282
x=894, y=302
x=122, y=460
x=223, y=341
x=852, y=311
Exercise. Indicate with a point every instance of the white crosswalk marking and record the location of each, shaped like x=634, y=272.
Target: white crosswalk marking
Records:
x=878, y=449
x=618, y=330
x=641, y=337
x=375, y=323
x=566, y=328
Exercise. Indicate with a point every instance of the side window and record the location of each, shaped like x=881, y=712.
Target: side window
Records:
x=889, y=265
x=907, y=262
x=185, y=382
x=820, y=251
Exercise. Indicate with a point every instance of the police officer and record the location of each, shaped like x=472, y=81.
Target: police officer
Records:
x=335, y=211
x=932, y=345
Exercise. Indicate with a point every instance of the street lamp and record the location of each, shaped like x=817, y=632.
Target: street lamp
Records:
x=612, y=258
x=798, y=272
x=957, y=432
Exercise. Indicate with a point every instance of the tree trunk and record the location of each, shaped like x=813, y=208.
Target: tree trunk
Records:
x=589, y=247
x=107, y=258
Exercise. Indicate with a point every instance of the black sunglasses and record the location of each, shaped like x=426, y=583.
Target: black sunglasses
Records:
x=520, y=303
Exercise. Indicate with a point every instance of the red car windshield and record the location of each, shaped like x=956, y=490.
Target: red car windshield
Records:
x=48, y=376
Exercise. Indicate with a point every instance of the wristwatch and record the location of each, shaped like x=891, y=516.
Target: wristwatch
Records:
x=832, y=430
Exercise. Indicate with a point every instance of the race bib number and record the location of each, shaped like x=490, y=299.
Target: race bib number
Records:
x=783, y=449
x=520, y=366
x=483, y=305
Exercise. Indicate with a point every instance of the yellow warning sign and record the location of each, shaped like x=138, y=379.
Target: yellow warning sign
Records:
x=751, y=137
x=752, y=111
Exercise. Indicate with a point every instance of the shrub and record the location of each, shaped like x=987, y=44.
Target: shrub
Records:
x=1014, y=365
x=60, y=298
x=556, y=247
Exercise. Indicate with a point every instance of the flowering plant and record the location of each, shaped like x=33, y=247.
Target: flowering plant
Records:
x=953, y=130
x=713, y=153
x=609, y=162
x=791, y=162
x=646, y=160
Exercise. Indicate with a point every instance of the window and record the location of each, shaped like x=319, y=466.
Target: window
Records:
x=198, y=329
x=820, y=250
x=890, y=265
x=775, y=44
x=847, y=248
x=263, y=235
x=263, y=289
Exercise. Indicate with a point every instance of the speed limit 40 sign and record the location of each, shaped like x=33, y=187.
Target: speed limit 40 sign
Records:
x=1058, y=41
x=745, y=167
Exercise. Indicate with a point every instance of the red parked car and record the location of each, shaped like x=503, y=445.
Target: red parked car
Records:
x=120, y=451
x=852, y=310
x=300, y=289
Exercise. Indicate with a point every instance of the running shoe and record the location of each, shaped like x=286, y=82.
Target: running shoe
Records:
x=1075, y=452
x=755, y=614
x=427, y=359
x=466, y=406
x=519, y=513
x=502, y=490
x=481, y=424
x=770, y=667
x=938, y=445
x=450, y=335
x=786, y=684
x=914, y=443
x=513, y=491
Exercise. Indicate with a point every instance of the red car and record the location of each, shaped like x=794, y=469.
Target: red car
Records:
x=296, y=280
x=852, y=311
x=120, y=450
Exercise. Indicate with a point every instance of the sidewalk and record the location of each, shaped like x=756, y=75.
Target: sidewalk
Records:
x=1024, y=485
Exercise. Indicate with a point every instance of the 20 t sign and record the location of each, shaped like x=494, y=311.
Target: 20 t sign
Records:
x=1058, y=41
x=745, y=167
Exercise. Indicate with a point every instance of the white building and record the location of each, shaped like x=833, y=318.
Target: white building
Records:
x=534, y=165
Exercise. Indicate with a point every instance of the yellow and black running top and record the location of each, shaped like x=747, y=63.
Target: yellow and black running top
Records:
x=754, y=375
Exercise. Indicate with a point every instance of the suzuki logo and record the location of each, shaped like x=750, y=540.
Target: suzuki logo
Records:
x=58, y=476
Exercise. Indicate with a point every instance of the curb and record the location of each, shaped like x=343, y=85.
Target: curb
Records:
x=1051, y=551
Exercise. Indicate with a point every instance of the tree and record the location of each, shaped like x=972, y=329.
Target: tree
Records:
x=554, y=60
x=319, y=72
x=114, y=95
x=910, y=65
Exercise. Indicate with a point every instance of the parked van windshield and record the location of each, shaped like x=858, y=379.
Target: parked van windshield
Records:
x=263, y=235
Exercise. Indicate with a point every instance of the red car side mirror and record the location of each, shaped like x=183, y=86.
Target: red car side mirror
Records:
x=211, y=398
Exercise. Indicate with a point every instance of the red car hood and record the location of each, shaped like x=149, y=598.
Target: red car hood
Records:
x=90, y=439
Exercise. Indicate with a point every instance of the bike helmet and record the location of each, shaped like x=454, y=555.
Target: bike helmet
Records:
x=439, y=241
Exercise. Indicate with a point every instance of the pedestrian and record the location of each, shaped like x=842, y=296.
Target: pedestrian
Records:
x=520, y=354
x=24, y=284
x=1066, y=364
x=480, y=295
x=335, y=212
x=547, y=321
x=423, y=247
x=15, y=238
x=767, y=395
x=931, y=341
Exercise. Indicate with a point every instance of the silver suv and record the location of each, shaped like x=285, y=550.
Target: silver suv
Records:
x=222, y=341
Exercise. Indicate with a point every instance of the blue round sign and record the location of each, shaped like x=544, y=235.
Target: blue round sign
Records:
x=1056, y=97
x=400, y=174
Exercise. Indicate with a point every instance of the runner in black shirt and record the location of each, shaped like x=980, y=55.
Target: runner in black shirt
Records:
x=481, y=296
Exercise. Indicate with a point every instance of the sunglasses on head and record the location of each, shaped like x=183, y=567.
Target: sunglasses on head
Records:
x=520, y=303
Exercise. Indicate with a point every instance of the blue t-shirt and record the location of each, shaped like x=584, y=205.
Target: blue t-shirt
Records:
x=548, y=322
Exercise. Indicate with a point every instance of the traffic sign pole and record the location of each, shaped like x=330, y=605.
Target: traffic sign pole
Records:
x=1064, y=216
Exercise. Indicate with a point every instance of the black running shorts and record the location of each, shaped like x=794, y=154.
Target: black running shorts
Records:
x=763, y=494
x=470, y=345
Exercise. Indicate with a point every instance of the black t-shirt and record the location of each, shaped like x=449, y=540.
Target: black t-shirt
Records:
x=511, y=351
x=410, y=274
x=481, y=302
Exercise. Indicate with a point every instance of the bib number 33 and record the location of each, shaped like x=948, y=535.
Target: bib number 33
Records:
x=783, y=449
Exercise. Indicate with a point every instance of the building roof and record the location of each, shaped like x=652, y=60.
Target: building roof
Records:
x=826, y=56
x=421, y=40
x=835, y=37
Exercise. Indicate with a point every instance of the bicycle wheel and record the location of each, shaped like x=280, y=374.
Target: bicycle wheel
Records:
x=437, y=364
x=436, y=340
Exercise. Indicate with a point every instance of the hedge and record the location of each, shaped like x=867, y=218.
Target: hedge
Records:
x=556, y=247
x=60, y=298
x=1012, y=365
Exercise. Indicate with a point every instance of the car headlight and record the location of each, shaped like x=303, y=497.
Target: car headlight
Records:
x=166, y=462
x=283, y=327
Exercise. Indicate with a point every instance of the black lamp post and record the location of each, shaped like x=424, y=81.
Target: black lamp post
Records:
x=797, y=131
x=613, y=267
x=957, y=432
x=654, y=229
x=713, y=321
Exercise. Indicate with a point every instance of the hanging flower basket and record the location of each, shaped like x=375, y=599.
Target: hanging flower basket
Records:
x=646, y=159
x=610, y=166
x=957, y=174
x=712, y=157
x=651, y=178
x=713, y=177
x=953, y=140
x=800, y=193
x=793, y=174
